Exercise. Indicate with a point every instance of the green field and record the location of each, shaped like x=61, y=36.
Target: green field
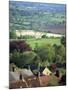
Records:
x=51, y=41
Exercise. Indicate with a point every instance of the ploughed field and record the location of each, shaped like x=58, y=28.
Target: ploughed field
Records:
x=43, y=41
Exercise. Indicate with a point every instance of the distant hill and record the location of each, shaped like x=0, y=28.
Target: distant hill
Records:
x=37, y=16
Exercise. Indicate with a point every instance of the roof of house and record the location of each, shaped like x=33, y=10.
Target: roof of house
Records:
x=15, y=75
x=31, y=81
x=46, y=71
x=26, y=72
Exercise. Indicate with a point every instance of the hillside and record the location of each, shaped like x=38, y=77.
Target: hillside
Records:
x=37, y=16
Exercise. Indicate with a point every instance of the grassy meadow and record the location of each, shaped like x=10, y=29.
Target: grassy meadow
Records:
x=43, y=41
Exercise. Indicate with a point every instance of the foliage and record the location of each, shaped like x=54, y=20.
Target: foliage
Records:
x=20, y=37
x=19, y=46
x=17, y=58
x=43, y=55
x=63, y=80
x=21, y=59
x=12, y=35
x=60, y=55
x=46, y=53
x=63, y=41
x=62, y=71
x=44, y=36
x=31, y=57
x=53, y=81
x=25, y=37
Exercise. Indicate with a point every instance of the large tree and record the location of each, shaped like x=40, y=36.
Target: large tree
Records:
x=25, y=58
x=46, y=53
x=63, y=40
x=60, y=54
x=19, y=46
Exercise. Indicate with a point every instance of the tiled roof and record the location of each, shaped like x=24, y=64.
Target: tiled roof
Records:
x=30, y=82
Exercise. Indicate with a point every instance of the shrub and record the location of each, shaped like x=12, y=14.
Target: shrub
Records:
x=53, y=81
x=21, y=59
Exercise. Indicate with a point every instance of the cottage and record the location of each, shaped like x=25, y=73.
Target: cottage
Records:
x=46, y=71
x=16, y=74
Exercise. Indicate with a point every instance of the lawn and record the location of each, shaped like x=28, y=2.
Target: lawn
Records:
x=43, y=41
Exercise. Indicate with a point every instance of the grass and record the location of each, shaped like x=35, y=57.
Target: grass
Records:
x=33, y=42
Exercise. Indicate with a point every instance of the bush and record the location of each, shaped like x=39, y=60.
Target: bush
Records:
x=31, y=57
x=53, y=81
x=17, y=59
x=26, y=37
x=44, y=36
x=46, y=53
x=63, y=41
x=21, y=59
x=60, y=54
x=63, y=80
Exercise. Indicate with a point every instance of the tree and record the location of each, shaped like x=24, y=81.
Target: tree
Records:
x=60, y=54
x=53, y=81
x=46, y=53
x=17, y=59
x=25, y=58
x=31, y=57
x=44, y=36
x=19, y=46
x=12, y=35
x=63, y=40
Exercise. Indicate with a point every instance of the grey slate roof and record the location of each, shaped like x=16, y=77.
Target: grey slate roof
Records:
x=15, y=75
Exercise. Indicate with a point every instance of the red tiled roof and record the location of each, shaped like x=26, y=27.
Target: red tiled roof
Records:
x=31, y=82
